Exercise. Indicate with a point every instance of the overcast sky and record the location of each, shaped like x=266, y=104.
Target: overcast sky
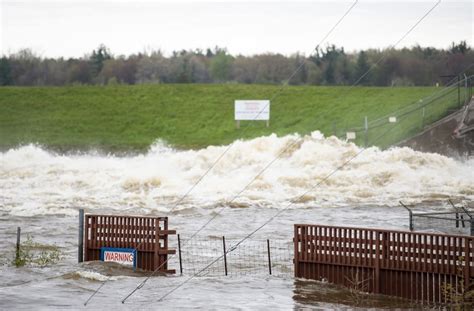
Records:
x=68, y=28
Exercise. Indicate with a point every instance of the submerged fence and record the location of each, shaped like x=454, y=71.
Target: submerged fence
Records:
x=409, y=120
x=428, y=268
x=446, y=222
x=458, y=220
x=254, y=257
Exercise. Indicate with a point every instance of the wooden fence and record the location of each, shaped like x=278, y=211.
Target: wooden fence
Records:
x=428, y=268
x=148, y=235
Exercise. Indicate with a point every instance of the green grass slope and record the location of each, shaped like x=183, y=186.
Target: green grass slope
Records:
x=131, y=118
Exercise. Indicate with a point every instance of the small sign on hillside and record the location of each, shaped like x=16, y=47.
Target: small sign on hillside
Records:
x=350, y=135
x=252, y=110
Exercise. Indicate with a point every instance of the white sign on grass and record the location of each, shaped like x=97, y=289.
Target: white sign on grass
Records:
x=350, y=135
x=252, y=110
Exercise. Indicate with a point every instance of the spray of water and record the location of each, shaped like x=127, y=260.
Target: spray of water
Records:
x=37, y=182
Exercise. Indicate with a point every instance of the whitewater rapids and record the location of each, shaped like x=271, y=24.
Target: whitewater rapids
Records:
x=35, y=181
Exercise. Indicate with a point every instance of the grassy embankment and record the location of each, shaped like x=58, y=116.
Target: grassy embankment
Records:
x=130, y=118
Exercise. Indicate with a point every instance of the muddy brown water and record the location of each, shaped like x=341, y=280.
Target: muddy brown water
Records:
x=42, y=192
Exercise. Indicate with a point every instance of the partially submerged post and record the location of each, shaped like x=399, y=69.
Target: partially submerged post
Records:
x=471, y=221
x=80, y=244
x=468, y=213
x=410, y=212
x=269, y=258
x=225, y=255
x=18, y=233
x=179, y=254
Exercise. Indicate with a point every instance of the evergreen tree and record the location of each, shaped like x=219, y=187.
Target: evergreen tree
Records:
x=98, y=58
x=5, y=72
x=362, y=68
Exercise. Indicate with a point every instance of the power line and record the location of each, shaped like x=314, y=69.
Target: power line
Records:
x=228, y=148
x=296, y=199
x=285, y=84
x=385, y=55
x=271, y=162
x=278, y=92
x=277, y=214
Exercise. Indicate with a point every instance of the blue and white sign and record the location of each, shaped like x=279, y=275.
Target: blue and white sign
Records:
x=123, y=256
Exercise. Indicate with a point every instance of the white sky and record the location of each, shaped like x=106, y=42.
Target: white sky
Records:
x=68, y=28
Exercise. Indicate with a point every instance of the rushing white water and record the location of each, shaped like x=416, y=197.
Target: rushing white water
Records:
x=38, y=182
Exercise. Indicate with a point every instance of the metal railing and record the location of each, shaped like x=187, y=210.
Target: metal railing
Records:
x=458, y=220
x=411, y=119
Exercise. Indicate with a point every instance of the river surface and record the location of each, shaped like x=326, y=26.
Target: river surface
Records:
x=42, y=192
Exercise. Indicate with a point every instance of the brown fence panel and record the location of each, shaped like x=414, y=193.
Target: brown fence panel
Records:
x=148, y=235
x=425, y=267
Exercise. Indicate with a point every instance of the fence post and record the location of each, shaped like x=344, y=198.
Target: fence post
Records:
x=468, y=215
x=459, y=91
x=225, y=255
x=295, y=252
x=469, y=89
x=269, y=258
x=465, y=90
x=410, y=213
x=80, y=244
x=467, y=265
x=366, y=125
x=377, y=261
x=156, y=247
x=18, y=233
x=422, y=117
x=179, y=254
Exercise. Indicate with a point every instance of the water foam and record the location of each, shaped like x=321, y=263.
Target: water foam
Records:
x=94, y=276
x=37, y=182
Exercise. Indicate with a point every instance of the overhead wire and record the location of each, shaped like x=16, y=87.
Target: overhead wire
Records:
x=292, y=202
x=276, y=158
x=179, y=201
x=228, y=148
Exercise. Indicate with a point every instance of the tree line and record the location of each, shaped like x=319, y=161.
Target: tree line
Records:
x=332, y=65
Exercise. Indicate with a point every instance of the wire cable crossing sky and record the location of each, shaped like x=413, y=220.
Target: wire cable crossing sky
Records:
x=270, y=163
x=218, y=159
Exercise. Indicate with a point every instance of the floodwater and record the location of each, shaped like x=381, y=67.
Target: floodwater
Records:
x=42, y=192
